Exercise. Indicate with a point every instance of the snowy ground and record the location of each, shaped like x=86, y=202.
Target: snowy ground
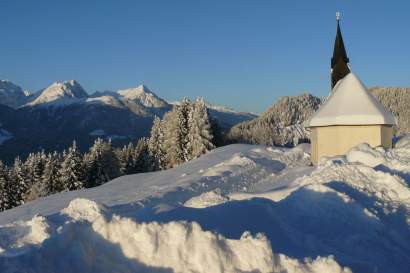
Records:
x=240, y=208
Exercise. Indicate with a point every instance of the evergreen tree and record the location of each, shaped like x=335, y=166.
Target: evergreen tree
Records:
x=35, y=167
x=141, y=157
x=184, y=110
x=173, y=143
x=18, y=185
x=4, y=194
x=72, y=169
x=200, y=134
x=102, y=163
x=156, y=144
x=51, y=177
x=126, y=159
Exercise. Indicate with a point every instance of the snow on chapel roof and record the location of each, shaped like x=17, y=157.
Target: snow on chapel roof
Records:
x=350, y=103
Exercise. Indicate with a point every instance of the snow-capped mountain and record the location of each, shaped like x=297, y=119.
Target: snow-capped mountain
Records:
x=144, y=96
x=52, y=118
x=12, y=95
x=60, y=93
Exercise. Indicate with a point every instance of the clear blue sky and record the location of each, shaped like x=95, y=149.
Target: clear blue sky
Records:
x=240, y=53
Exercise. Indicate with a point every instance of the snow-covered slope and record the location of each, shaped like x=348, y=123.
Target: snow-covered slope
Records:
x=144, y=96
x=351, y=211
x=60, y=93
x=11, y=94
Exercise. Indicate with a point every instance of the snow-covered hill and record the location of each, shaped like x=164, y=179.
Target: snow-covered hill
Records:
x=207, y=216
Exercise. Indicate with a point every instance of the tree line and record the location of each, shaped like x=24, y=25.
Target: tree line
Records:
x=184, y=133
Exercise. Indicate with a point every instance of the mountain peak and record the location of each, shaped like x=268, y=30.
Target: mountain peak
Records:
x=11, y=94
x=143, y=95
x=61, y=93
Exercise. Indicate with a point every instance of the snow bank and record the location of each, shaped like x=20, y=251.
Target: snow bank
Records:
x=206, y=199
x=17, y=237
x=87, y=240
x=366, y=155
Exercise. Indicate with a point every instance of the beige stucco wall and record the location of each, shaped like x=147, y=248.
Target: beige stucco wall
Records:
x=337, y=140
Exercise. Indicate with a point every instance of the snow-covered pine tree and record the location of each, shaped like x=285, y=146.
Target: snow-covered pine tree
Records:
x=51, y=176
x=4, y=195
x=102, y=163
x=141, y=157
x=72, y=169
x=126, y=159
x=18, y=185
x=184, y=110
x=156, y=145
x=200, y=134
x=173, y=143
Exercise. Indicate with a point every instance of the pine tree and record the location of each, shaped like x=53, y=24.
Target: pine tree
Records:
x=102, y=163
x=200, y=133
x=126, y=159
x=72, y=169
x=18, y=185
x=184, y=110
x=156, y=146
x=4, y=195
x=173, y=143
x=51, y=177
x=141, y=157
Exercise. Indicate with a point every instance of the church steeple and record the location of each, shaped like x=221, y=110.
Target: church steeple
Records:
x=340, y=61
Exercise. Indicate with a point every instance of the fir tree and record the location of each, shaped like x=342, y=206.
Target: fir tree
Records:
x=200, y=134
x=126, y=159
x=72, y=169
x=51, y=177
x=102, y=163
x=156, y=144
x=4, y=194
x=142, y=161
x=18, y=185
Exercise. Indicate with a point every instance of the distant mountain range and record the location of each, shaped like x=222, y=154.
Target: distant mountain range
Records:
x=55, y=116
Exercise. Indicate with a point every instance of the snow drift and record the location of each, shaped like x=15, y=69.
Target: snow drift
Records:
x=88, y=237
x=240, y=208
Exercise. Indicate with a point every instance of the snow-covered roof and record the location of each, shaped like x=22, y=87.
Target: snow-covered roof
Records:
x=351, y=104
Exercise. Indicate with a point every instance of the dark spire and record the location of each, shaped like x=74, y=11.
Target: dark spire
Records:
x=340, y=60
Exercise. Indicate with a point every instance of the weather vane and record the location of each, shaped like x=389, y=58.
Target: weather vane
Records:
x=338, y=15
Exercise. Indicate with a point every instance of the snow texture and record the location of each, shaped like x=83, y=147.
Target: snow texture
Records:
x=350, y=103
x=239, y=208
x=146, y=247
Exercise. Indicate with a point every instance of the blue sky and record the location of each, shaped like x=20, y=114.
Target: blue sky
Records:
x=244, y=54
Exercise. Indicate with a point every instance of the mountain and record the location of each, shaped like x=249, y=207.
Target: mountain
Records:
x=144, y=96
x=12, y=95
x=55, y=116
x=282, y=124
x=60, y=93
x=239, y=208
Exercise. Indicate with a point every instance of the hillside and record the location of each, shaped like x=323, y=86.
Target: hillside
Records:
x=145, y=222
x=397, y=100
x=283, y=123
